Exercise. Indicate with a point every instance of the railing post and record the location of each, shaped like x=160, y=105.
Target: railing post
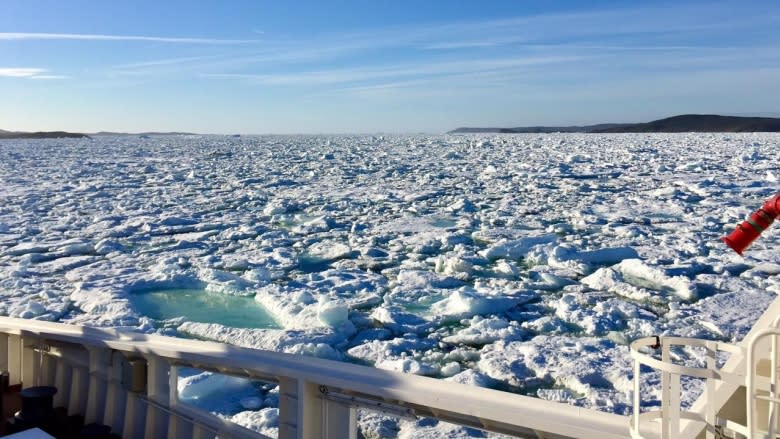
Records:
x=135, y=417
x=30, y=363
x=665, y=393
x=674, y=403
x=4, y=351
x=340, y=420
x=49, y=370
x=288, y=409
x=99, y=359
x=178, y=427
x=302, y=413
x=158, y=391
x=63, y=377
x=15, y=359
x=749, y=390
x=116, y=395
x=709, y=391
x=636, y=396
x=310, y=408
x=773, y=390
x=78, y=390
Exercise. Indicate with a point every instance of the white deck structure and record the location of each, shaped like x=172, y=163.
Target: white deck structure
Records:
x=129, y=382
x=740, y=398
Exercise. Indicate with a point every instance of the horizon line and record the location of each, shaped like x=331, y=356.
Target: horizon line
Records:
x=760, y=114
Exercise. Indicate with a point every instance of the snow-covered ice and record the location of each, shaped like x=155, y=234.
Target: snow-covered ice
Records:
x=524, y=263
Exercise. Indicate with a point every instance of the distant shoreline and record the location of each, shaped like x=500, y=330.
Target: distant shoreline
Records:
x=68, y=135
x=695, y=123
x=41, y=135
x=686, y=123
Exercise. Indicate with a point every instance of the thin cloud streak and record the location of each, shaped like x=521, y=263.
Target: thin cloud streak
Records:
x=505, y=31
x=478, y=80
x=336, y=76
x=518, y=32
x=16, y=36
x=20, y=72
x=161, y=62
x=49, y=77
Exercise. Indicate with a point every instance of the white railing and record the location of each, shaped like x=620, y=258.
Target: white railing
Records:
x=671, y=415
x=129, y=382
x=760, y=386
x=754, y=391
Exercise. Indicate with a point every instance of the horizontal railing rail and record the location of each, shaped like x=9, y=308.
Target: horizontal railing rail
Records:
x=98, y=369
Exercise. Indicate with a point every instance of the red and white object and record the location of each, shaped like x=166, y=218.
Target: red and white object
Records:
x=751, y=228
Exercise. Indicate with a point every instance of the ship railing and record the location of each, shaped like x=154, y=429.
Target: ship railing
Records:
x=755, y=393
x=129, y=381
x=670, y=415
x=760, y=384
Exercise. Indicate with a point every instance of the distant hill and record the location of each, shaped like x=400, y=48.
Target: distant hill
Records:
x=541, y=129
x=701, y=123
x=41, y=135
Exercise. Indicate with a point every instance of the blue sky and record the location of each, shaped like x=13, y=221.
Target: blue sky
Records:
x=379, y=66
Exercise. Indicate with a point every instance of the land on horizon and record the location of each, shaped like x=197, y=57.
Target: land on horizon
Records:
x=40, y=135
x=65, y=134
x=694, y=123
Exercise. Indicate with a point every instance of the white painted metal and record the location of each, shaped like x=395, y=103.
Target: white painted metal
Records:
x=14, y=359
x=318, y=398
x=670, y=415
x=98, y=382
x=100, y=373
x=754, y=392
x=739, y=372
x=727, y=392
x=116, y=396
x=158, y=393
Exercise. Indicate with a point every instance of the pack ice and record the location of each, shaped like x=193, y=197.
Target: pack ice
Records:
x=524, y=263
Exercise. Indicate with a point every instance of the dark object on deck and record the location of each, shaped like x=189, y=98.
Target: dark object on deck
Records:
x=4, y=383
x=95, y=431
x=37, y=407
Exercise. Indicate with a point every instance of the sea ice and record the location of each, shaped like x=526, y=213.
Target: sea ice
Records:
x=525, y=262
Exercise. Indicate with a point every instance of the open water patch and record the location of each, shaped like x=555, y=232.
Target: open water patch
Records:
x=197, y=305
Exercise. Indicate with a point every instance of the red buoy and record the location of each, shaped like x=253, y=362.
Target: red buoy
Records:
x=751, y=228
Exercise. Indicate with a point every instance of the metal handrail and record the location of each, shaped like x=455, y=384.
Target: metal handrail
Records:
x=670, y=413
x=303, y=403
x=773, y=399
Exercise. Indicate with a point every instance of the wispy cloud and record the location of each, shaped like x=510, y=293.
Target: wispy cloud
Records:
x=161, y=62
x=473, y=44
x=617, y=32
x=27, y=73
x=578, y=44
x=49, y=77
x=9, y=36
x=648, y=21
x=20, y=72
x=355, y=75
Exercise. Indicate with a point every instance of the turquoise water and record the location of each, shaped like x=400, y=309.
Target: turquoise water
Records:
x=203, y=307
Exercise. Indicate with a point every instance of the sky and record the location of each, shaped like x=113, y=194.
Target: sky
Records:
x=257, y=67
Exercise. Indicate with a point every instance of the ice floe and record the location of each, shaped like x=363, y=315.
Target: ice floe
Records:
x=524, y=263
